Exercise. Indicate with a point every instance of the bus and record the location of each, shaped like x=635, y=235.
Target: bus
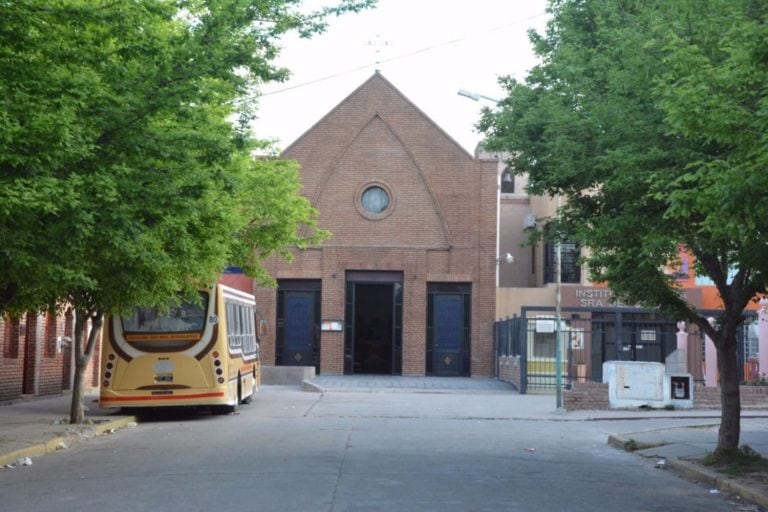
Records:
x=199, y=353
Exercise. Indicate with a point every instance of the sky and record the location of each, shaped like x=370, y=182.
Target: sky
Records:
x=428, y=49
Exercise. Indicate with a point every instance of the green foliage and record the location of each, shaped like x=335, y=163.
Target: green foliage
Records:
x=760, y=381
x=649, y=119
x=127, y=173
x=126, y=168
x=737, y=462
x=631, y=445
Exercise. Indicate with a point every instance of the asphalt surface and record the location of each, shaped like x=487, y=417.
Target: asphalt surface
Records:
x=33, y=428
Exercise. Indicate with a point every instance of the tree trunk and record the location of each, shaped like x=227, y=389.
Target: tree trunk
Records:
x=730, y=421
x=77, y=411
x=83, y=352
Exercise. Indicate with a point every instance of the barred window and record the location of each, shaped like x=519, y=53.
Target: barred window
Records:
x=507, y=181
x=569, y=262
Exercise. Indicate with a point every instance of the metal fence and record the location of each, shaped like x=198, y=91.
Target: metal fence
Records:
x=589, y=337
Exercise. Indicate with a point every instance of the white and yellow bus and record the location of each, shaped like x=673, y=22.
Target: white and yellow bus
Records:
x=196, y=354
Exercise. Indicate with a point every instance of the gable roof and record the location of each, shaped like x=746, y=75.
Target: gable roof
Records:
x=377, y=79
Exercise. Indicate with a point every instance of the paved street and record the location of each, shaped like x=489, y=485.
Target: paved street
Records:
x=360, y=451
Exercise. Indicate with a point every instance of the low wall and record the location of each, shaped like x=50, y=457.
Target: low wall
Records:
x=752, y=397
x=594, y=396
x=586, y=395
x=286, y=375
x=509, y=370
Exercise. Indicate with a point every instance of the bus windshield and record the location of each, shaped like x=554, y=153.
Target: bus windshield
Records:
x=184, y=317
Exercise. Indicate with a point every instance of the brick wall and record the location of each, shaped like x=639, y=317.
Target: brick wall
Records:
x=440, y=226
x=51, y=365
x=594, y=395
x=752, y=397
x=30, y=360
x=586, y=395
x=12, y=360
x=509, y=370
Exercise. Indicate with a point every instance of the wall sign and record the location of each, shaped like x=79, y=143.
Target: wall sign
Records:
x=332, y=325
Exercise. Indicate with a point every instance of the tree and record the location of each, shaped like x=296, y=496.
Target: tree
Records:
x=648, y=117
x=127, y=169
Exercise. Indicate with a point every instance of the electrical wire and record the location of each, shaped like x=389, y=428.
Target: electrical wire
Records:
x=402, y=56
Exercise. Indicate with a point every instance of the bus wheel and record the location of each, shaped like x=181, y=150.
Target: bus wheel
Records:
x=224, y=409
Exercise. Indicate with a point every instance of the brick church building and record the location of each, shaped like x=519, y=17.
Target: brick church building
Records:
x=406, y=283
x=404, y=286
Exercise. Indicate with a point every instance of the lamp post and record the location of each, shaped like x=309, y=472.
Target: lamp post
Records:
x=558, y=315
x=474, y=96
x=558, y=279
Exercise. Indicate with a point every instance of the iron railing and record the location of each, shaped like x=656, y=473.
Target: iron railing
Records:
x=592, y=336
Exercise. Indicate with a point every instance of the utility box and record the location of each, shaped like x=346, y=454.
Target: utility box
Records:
x=646, y=384
x=678, y=390
x=634, y=384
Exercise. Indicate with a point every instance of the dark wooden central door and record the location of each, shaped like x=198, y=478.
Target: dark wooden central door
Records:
x=373, y=338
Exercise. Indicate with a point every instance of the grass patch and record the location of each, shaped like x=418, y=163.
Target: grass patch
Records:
x=744, y=461
x=632, y=445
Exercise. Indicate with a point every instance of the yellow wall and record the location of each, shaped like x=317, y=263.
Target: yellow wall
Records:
x=510, y=300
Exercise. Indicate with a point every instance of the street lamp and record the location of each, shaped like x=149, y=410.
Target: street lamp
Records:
x=558, y=315
x=474, y=96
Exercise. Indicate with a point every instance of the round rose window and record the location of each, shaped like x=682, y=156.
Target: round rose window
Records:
x=375, y=199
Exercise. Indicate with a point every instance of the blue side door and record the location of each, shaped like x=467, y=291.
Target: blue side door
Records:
x=449, y=335
x=299, y=328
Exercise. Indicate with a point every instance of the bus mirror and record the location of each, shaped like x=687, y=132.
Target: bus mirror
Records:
x=213, y=319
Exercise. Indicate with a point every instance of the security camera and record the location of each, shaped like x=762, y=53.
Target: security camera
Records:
x=507, y=258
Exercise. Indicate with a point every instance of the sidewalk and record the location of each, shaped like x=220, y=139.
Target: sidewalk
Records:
x=36, y=427
x=680, y=448
x=30, y=428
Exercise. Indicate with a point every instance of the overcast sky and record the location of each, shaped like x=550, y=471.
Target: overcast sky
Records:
x=428, y=49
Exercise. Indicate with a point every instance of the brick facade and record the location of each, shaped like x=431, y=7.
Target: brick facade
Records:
x=752, y=397
x=586, y=396
x=32, y=362
x=440, y=225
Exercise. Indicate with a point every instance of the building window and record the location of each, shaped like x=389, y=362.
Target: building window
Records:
x=50, y=334
x=507, y=181
x=14, y=330
x=375, y=199
x=569, y=267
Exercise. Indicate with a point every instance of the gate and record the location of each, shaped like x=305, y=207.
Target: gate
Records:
x=747, y=345
x=590, y=337
x=508, y=336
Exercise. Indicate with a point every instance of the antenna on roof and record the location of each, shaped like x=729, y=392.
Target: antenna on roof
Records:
x=378, y=44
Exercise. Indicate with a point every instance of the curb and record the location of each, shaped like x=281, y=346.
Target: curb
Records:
x=696, y=472
x=718, y=481
x=54, y=444
x=311, y=387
